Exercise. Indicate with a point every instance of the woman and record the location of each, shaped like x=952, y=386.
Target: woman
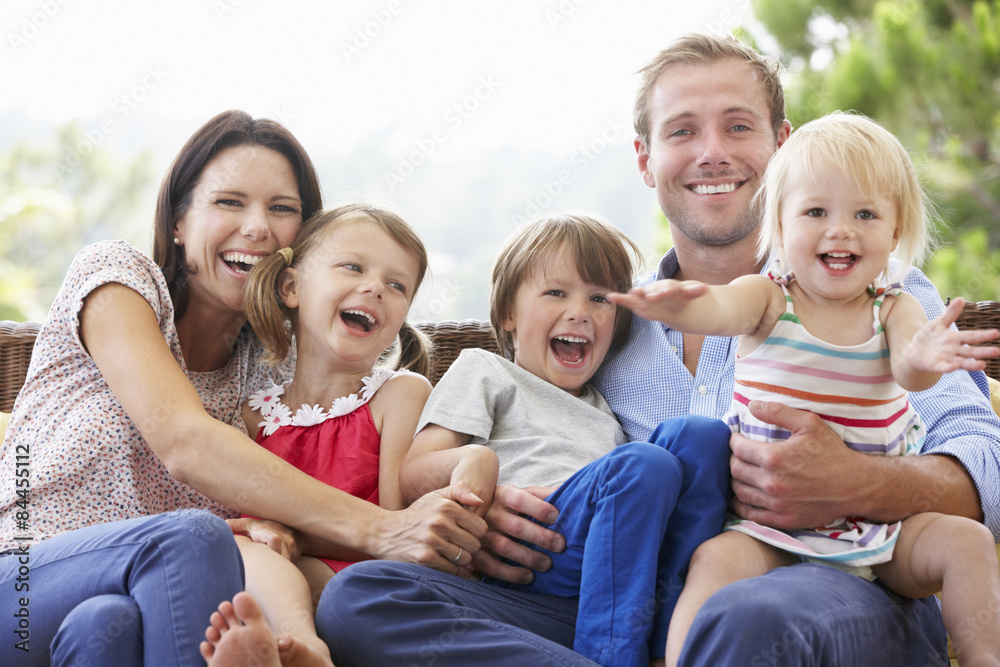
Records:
x=131, y=408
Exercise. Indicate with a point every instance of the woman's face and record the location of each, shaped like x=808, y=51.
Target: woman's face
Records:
x=244, y=207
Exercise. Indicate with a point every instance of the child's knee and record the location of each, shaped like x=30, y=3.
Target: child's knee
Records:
x=654, y=465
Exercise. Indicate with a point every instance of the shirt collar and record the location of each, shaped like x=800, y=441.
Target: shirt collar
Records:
x=669, y=265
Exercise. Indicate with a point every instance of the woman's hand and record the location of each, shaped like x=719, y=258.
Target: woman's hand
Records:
x=286, y=541
x=436, y=531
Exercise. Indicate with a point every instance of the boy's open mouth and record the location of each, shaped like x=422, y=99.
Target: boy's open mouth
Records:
x=240, y=262
x=358, y=320
x=838, y=261
x=570, y=349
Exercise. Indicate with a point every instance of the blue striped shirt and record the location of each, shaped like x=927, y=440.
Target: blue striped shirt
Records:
x=646, y=382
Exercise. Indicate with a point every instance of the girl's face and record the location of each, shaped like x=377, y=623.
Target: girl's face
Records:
x=836, y=238
x=245, y=206
x=562, y=326
x=352, y=292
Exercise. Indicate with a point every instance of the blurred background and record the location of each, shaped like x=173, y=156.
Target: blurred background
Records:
x=467, y=117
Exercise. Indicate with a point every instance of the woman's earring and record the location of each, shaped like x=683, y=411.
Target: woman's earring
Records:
x=177, y=241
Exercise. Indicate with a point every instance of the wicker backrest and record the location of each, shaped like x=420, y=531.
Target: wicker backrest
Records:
x=983, y=315
x=450, y=337
x=16, y=342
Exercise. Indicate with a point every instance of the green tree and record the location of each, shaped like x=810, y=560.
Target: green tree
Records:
x=931, y=72
x=56, y=199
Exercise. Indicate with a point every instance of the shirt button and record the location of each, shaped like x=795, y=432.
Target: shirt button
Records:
x=702, y=390
x=674, y=348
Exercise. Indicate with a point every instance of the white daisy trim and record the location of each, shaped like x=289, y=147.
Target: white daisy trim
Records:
x=276, y=414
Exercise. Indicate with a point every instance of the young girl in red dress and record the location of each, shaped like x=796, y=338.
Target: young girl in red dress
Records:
x=343, y=290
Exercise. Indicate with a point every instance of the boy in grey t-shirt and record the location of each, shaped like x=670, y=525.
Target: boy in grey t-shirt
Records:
x=632, y=514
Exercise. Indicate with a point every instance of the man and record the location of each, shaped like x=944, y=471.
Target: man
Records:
x=709, y=114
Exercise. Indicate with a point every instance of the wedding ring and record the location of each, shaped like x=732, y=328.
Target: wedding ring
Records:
x=459, y=556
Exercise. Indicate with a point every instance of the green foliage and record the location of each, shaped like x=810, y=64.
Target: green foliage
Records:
x=57, y=199
x=931, y=72
x=954, y=275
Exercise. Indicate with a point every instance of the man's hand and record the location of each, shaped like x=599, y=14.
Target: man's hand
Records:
x=508, y=523
x=808, y=480
x=282, y=539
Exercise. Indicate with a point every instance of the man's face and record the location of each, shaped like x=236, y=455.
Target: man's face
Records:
x=710, y=139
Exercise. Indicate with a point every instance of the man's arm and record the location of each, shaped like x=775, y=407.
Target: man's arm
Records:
x=813, y=478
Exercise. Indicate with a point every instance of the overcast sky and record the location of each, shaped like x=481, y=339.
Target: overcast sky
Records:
x=402, y=78
x=535, y=73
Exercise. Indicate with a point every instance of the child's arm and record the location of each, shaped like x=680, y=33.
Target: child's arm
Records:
x=693, y=307
x=921, y=351
x=396, y=408
x=440, y=457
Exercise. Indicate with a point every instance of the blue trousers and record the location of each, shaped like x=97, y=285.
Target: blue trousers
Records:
x=811, y=615
x=129, y=592
x=631, y=520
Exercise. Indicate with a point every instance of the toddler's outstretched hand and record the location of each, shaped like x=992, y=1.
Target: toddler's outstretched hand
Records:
x=937, y=348
x=661, y=299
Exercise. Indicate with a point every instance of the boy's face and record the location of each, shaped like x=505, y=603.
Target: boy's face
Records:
x=561, y=326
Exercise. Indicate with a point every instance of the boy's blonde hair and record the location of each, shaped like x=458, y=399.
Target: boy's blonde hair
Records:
x=877, y=161
x=603, y=255
x=702, y=49
x=268, y=313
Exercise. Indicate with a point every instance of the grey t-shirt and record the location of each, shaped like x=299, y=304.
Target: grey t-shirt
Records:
x=541, y=433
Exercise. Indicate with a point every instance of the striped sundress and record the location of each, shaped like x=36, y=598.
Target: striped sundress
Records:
x=852, y=389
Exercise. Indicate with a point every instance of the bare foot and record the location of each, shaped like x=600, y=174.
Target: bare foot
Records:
x=239, y=635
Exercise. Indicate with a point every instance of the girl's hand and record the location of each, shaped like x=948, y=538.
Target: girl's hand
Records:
x=282, y=539
x=661, y=299
x=937, y=348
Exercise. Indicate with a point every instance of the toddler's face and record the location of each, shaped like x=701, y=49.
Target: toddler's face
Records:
x=561, y=326
x=836, y=238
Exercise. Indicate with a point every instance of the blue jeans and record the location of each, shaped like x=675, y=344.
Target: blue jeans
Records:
x=129, y=592
x=811, y=615
x=610, y=595
x=632, y=519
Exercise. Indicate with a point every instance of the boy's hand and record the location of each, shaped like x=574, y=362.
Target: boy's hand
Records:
x=661, y=299
x=475, y=478
x=282, y=539
x=937, y=348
